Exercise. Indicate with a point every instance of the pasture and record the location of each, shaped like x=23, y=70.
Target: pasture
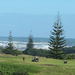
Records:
x=46, y=66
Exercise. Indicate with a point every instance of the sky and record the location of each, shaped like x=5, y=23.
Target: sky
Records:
x=38, y=16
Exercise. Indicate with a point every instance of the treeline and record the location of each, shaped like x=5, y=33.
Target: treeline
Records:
x=70, y=50
x=36, y=52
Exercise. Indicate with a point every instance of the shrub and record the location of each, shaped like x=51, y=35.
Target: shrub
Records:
x=20, y=73
x=70, y=56
x=12, y=52
x=63, y=56
x=1, y=73
x=48, y=56
x=36, y=52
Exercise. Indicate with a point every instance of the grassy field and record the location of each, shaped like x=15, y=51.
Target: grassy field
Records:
x=46, y=66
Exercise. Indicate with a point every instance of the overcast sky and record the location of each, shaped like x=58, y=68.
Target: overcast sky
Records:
x=21, y=16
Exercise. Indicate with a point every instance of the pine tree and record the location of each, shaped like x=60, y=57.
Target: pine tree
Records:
x=30, y=44
x=10, y=48
x=57, y=41
x=10, y=44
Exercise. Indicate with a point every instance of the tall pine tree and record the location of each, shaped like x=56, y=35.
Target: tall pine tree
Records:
x=30, y=45
x=57, y=41
x=9, y=47
x=10, y=44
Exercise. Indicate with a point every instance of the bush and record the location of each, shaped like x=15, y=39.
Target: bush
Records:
x=16, y=52
x=36, y=52
x=70, y=56
x=48, y=56
x=1, y=73
x=70, y=50
x=20, y=73
x=63, y=56
x=12, y=52
x=16, y=69
x=6, y=51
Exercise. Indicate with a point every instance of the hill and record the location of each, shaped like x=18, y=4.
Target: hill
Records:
x=10, y=64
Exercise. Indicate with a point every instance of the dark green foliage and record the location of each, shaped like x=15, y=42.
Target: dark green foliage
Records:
x=10, y=44
x=63, y=56
x=16, y=52
x=15, y=69
x=31, y=51
x=57, y=41
x=70, y=56
x=48, y=55
x=10, y=49
x=12, y=52
x=1, y=73
x=70, y=50
x=37, y=52
x=1, y=49
x=20, y=73
x=30, y=45
x=6, y=51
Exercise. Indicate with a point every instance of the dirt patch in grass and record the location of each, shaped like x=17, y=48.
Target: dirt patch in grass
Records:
x=49, y=65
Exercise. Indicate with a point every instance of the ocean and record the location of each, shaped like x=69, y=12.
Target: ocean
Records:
x=20, y=43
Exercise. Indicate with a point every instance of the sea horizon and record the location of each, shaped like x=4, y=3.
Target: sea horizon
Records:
x=20, y=43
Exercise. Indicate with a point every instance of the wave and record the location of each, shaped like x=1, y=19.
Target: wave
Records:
x=22, y=45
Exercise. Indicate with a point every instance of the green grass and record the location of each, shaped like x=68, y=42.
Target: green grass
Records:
x=46, y=66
